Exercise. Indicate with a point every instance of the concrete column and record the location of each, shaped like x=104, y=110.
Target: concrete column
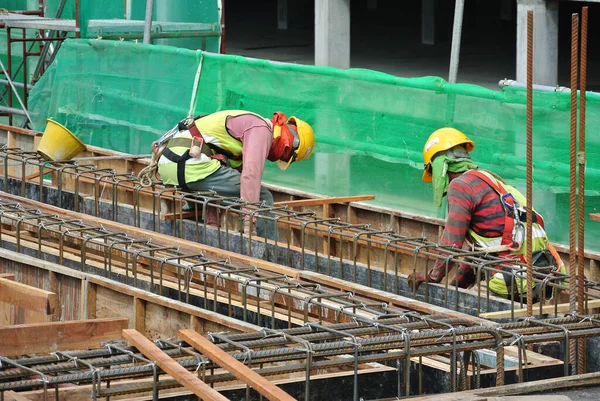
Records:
x=545, y=41
x=332, y=33
x=428, y=22
x=282, y=14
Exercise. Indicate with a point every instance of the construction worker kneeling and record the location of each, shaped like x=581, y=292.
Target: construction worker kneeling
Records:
x=226, y=152
x=484, y=213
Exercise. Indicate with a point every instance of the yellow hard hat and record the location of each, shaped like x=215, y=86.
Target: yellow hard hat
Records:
x=306, y=145
x=441, y=140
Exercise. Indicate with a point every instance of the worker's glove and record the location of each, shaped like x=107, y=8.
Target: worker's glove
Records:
x=415, y=280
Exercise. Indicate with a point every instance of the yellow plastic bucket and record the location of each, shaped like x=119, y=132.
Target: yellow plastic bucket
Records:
x=58, y=143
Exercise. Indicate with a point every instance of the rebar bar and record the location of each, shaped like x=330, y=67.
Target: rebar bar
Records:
x=573, y=177
x=581, y=360
x=529, y=174
x=392, y=244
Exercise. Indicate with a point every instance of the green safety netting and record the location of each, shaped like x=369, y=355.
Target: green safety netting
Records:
x=176, y=19
x=164, y=11
x=370, y=126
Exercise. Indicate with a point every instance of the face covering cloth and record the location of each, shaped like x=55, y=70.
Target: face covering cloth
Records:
x=441, y=166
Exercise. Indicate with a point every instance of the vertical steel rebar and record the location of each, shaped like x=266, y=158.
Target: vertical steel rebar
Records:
x=77, y=22
x=573, y=166
x=573, y=176
x=529, y=178
x=581, y=204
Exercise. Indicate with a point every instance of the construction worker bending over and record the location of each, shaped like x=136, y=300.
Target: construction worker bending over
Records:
x=484, y=212
x=226, y=152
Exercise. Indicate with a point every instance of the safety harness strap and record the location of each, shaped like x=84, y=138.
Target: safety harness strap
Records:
x=218, y=151
x=509, y=222
x=180, y=160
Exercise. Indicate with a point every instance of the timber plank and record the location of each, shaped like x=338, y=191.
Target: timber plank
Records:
x=49, y=337
x=568, y=382
x=560, y=308
x=7, y=276
x=170, y=366
x=238, y=369
x=324, y=201
x=28, y=297
x=595, y=216
x=12, y=396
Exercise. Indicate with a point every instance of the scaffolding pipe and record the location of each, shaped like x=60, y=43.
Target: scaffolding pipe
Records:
x=148, y=21
x=540, y=88
x=16, y=84
x=529, y=162
x=456, y=38
x=14, y=89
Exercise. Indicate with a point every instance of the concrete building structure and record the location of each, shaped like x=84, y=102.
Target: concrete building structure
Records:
x=414, y=38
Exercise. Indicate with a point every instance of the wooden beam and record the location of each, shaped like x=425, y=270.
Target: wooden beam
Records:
x=197, y=324
x=238, y=369
x=54, y=286
x=21, y=131
x=325, y=201
x=139, y=314
x=88, y=300
x=184, y=215
x=7, y=276
x=37, y=174
x=568, y=382
x=595, y=216
x=171, y=367
x=28, y=297
x=48, y=337
x=12, y=396
x=546, y=309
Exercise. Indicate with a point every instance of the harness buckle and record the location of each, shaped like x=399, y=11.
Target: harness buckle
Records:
x=518, y=236
x=512, y=205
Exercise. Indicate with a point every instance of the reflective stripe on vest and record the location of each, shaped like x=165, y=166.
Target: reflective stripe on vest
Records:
x=539, y=237
x=502, y=283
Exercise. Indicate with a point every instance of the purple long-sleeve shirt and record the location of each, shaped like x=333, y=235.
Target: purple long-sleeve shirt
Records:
x=256, y=135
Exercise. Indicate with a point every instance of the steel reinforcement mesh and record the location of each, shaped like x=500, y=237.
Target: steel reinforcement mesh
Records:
x=370, y=126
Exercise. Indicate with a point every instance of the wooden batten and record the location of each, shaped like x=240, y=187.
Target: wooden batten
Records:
x=232, y=365
x=27, y=297
x=324, y=201
x=170, y=366
x=55, y=336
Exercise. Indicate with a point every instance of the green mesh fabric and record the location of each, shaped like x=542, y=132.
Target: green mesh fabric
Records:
x=193, y=11
x=370, y=126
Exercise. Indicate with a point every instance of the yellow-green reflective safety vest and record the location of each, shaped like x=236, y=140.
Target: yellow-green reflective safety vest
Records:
x=213, y=128
x=515, y=235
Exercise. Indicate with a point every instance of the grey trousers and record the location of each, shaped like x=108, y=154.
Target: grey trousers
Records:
x=226, y=182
